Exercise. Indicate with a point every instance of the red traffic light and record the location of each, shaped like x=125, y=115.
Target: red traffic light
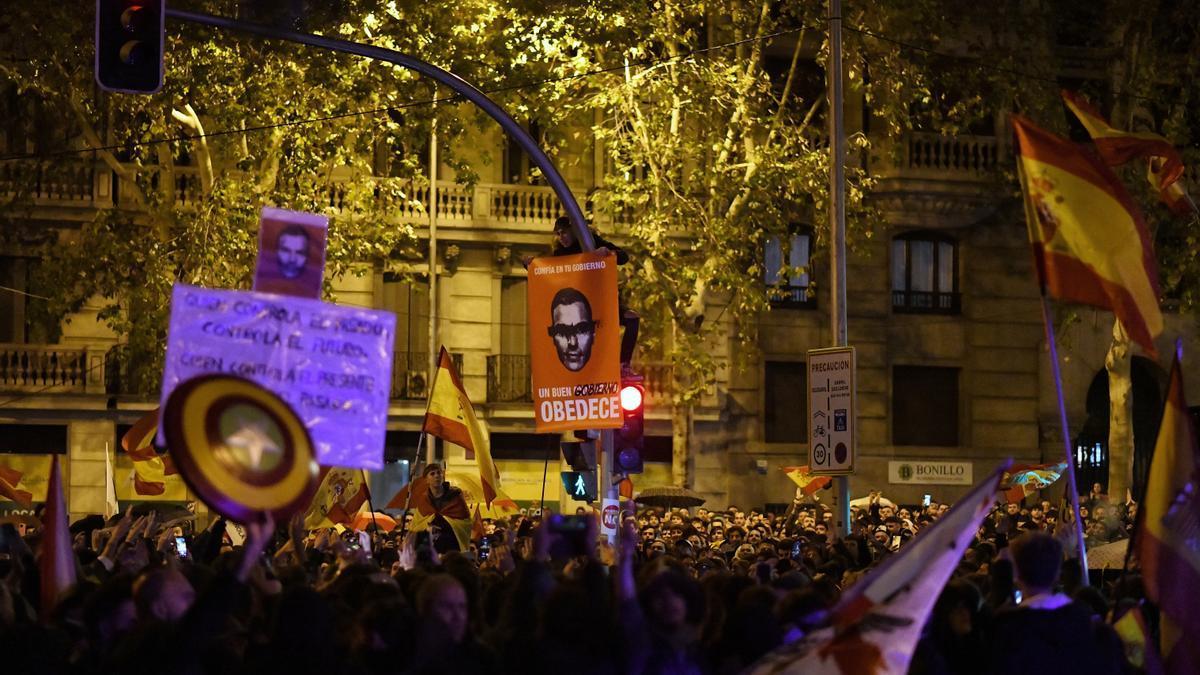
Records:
x=129, y=45
x=631, y=397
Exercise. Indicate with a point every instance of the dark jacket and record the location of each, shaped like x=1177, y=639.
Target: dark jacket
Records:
x=1052, y=642
x=601, y=242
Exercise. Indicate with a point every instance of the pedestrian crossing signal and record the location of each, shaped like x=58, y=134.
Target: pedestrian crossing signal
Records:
x=580, y=485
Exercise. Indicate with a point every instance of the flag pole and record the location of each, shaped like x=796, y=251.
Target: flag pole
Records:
x=545, y=470
x=370, y=504
x=1081, y=546
x=412, y=472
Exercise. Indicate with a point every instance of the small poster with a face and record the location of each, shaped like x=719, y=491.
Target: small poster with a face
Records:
x=291, y=253
x=574, y=340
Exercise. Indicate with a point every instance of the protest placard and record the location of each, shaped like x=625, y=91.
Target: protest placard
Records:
x=331, y=364
x=574, y=335
x=291, y=253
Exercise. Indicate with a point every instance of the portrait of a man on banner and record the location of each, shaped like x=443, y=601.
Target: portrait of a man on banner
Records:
x=574, y=339
x=291, y=253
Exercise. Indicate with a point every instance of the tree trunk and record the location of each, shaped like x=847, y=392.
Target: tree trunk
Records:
x=680, y=441
x=1120, y=415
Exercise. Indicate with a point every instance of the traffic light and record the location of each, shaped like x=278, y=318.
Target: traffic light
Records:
x=129, y=45
x=580, y=482
x=629, y=440
x=580, y=485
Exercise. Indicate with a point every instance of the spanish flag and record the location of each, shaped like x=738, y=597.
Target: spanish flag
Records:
x=1090, y=244
x=454, y=511
x=149, y=468
x=1167, y=539
x=1024, y=479
x=1116, y=147
x=450, y=417
x=803, y=477
x=9, y=480
x=340, y=495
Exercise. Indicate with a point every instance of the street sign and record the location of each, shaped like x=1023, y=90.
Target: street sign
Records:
x=831, y=414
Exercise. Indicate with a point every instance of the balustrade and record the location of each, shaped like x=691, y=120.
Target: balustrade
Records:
x=964, y=155
x=26, y=367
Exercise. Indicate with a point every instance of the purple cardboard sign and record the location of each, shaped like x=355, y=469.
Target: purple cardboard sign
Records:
x=332, y=364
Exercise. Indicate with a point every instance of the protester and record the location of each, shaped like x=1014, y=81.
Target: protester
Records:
x=703, y=591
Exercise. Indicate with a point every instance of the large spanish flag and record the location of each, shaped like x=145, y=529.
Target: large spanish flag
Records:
x=875, y=626
x=340, y=495
x=1169, y=531
x=1090, y=244
x=1116, y=147
x=451, y=417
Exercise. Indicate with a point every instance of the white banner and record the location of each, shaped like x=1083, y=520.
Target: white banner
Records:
x=332, y=364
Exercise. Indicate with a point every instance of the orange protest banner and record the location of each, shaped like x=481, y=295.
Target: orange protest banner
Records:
x=574, y=336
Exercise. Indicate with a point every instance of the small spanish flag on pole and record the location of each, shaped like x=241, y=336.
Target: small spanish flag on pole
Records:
x=451, y=418
x=803, y=477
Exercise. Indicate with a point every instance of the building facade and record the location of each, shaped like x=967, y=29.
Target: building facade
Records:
x=943, y=311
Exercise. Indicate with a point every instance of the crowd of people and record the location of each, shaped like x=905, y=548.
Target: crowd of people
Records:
x=681, y=591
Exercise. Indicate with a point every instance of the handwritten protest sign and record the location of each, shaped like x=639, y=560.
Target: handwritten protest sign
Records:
x=331, y=364
x=574, y=339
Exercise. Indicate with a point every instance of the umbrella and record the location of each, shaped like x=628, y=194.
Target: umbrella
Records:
x=1108, y=556
x=365, y=519
x=669, y=496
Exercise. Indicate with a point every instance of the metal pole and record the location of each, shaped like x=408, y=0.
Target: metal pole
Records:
x=1080, y=544
x=454, y=82
x=837, y=222
x=433, y=273
x=604, y=465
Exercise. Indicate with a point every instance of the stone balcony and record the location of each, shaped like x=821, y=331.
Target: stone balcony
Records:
x=52, y=369
x=936, y=181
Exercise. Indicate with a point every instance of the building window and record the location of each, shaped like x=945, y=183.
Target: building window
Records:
x=785, y=414
x=514, y=321
x=508, y=371
x=14, y=278
x=518, y=167
x=785, y=266
x=510, y=446
x=408, y=298
x=924, y=406
x=925, y=274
